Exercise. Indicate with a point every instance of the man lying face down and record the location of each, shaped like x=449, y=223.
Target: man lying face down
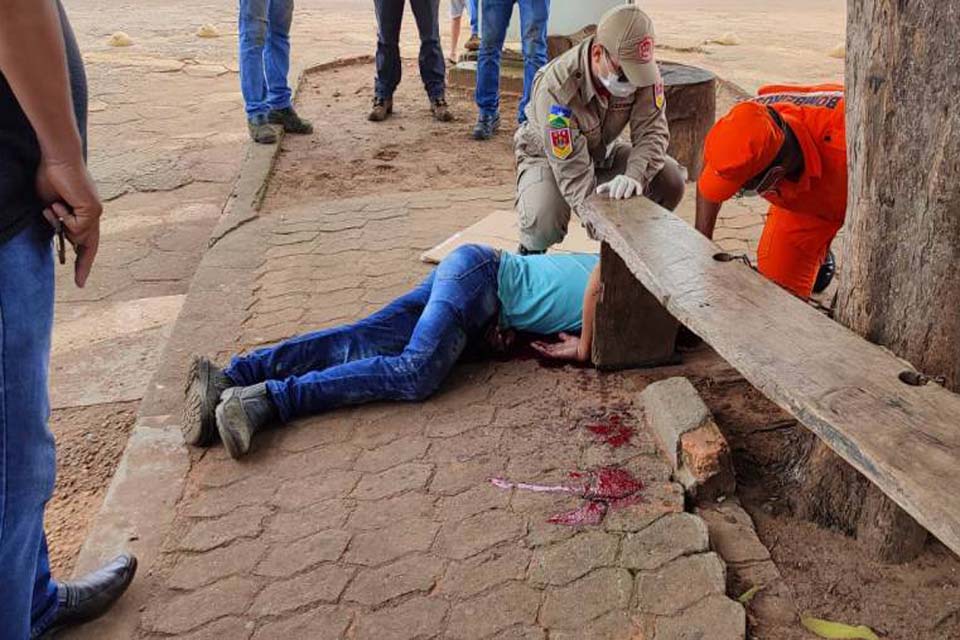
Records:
x=402, y=352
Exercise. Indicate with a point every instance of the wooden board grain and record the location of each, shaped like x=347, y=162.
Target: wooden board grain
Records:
x=904, y=439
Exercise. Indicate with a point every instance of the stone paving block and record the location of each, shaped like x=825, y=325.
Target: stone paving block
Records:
x=203, y=535
x=233, y=628
x=416, y=618
x=713, y=618
x=670, y=537
x=321, y=585
x=455, y=477
x=679, y=584
x=469, y=577
x=616, y=625
x=659, y=499
x=296, y=494
x=322, y=623
x=452, y=424
x=469, y=537
x=732, y=534
x=374, y=548
x=391, y=455
x=383, y=513
x=288, y=559
x=484, y=497
x=239, y=558
x=319, y=460
x=588, y=598
x=522, y=632
x=217, y=502
x=183, y=613
x=699, y=453
x=485, y=615
x=566, y=561
x=288, y=526
x=373, y=587
x=411, y=476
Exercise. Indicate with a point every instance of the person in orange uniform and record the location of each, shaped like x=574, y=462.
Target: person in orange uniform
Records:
x=787, y=145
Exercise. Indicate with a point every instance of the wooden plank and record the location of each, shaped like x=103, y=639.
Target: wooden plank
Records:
x=621, y=339
x=906, y=440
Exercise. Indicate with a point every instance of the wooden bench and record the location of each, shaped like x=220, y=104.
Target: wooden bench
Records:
x=846, y=390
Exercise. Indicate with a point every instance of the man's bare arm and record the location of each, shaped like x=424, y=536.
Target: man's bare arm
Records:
x=590, y=298
x=33, y=61
x=707, y=213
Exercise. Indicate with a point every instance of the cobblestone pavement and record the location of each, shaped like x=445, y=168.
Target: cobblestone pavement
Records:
x=380, y=521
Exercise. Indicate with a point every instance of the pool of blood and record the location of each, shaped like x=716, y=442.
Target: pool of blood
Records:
x=612, y=431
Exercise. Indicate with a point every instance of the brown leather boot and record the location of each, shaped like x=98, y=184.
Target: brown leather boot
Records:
x=440, y=110
x=382, y=109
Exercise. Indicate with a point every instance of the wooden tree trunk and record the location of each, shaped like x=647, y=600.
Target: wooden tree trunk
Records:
x=691, y=94
x=899, y=276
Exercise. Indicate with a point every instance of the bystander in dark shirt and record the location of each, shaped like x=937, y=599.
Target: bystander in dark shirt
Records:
x=19, y=150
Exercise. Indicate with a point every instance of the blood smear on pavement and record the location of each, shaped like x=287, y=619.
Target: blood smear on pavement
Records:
x=612, y=431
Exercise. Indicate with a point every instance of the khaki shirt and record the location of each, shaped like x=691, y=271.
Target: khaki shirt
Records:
x=563, y=92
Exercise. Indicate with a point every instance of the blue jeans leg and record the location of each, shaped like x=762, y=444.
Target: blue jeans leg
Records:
x=276, y=55
x=474, y=7
x=432, y=66
x=496, y=19
x=389, y=18
x=462, y=299
x=386, y=332
x=534, y=15
x=27, y=454
x=253, y=38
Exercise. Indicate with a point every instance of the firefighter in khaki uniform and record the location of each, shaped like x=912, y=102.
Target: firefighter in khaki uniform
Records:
x=580, y=104
x=787, y=145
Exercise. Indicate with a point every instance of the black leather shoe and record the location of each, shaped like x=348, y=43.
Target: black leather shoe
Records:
x=290, y=120
x=825, y=276
x=205, y=383
x=241, y=413
x=92, y=595
x=486, y=127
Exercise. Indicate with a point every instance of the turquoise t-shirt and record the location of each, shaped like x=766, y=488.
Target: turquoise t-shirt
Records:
x=543, y=293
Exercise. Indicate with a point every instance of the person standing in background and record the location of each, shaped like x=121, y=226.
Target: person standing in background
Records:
x=264, y=65
x=456, y=22
x=43, y=174
x=496, y=19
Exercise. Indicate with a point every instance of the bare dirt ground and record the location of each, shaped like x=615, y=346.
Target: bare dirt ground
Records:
x=829, y=576
x=89, y=443
x=350, y=156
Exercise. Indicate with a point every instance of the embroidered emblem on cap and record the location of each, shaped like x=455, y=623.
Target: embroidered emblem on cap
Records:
x=645, y=50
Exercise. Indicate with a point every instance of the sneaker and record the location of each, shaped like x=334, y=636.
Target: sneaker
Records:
x=382, y=109
x=473, y=44
x=241, y=413
x=486, y=127
x=205, y=383
x=290, y=121
x=825, y=275
x=440, y=109
x=261, y=131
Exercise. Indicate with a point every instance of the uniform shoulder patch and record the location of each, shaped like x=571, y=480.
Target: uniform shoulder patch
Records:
x=558, y=129
x=658, y=94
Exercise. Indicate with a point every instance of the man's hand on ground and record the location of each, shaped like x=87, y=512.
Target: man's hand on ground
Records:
x=567, y=349
x=621, y=188
x=68, y=190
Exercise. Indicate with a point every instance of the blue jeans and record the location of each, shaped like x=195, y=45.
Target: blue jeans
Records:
x=28, y=595
x=432, y=67
x=402, y=352
x=473, y=6
x=533, y=26
x=265, y=55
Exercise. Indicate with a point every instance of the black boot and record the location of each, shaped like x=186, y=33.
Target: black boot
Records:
x=241, y=413
x=825, y=276
x=290, y=120
x=92, y=595
x=205, y=383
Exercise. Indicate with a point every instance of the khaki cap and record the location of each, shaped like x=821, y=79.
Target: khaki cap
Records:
x=627, y=32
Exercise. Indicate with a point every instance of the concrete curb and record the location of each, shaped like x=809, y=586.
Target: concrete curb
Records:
x=140, y=503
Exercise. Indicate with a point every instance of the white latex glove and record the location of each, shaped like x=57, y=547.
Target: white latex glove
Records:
x=621, y=188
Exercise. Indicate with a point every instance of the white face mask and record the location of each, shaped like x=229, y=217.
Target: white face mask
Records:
x=615, y=85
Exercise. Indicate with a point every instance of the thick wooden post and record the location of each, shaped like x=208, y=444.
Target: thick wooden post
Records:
x=691, y=95
x=632, y=328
